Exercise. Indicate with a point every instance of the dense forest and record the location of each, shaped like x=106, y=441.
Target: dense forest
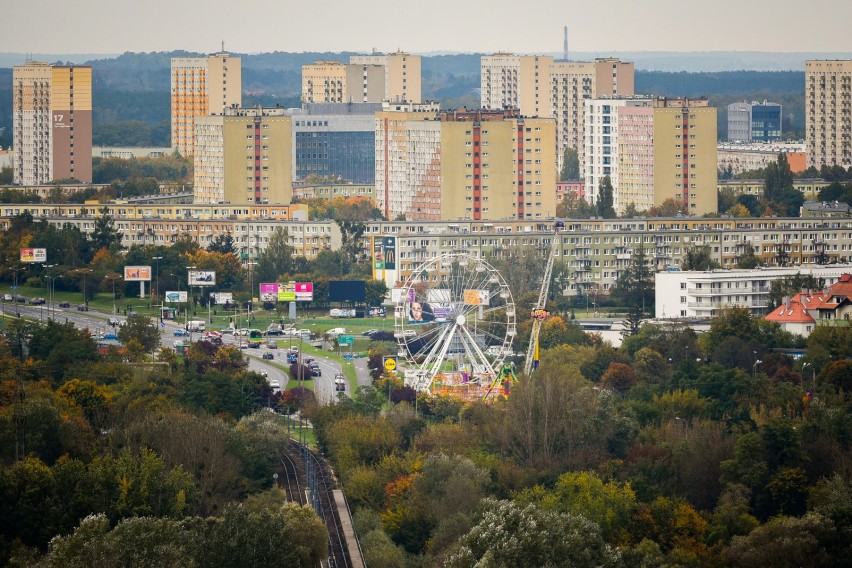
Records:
x=131, y=91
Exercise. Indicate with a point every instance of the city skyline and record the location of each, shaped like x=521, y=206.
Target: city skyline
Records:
x=333, y=26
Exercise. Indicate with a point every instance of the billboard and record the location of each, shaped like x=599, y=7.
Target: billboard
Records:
x=347, y=290
x=398, y=294
x=137, y=273
x=269, y=292
x=222, y=298
x=33, y=255
x=202, y=278
x=476, y=297
x=304, y=291
x=181, y=296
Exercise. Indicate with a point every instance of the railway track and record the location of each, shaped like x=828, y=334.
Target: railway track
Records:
x=309, y=479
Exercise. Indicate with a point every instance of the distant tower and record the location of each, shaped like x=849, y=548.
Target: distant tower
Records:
x=565, y=44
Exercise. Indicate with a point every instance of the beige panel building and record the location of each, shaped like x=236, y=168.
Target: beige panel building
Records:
x=403, y=74
x=202, y=86
x=685, y=136
x=51, y=123
x=828, y=113
x=335, y=82
x=465, y=165
x=516, y=81
x=244, y=156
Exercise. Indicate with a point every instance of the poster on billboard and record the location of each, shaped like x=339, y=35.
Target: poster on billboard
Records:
x=389, y=252
x=378, y=254
x=476, y=297
x=397, y=295
x=137, y=273
x=269, y=292
x=287, y=292
x=222, y=298
x=384, y=255
x=33, y=255
x=177, y=297
x=304, y=291
x=202, y=278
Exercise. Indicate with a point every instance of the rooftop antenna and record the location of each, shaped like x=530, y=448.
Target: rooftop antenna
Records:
x=223, y=42
x=565, y=44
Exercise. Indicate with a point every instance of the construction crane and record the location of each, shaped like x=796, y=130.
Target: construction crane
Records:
x=539, y=314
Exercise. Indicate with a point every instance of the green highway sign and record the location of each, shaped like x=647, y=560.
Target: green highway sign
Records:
x=345, y=339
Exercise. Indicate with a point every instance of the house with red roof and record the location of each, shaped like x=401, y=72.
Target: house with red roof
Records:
x=805, y=310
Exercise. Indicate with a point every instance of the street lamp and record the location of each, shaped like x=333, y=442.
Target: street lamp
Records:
x=84, y=272
x=51, y=289
x=158, y=259
x=754, y=368
x=249, y=264
x=188, y=289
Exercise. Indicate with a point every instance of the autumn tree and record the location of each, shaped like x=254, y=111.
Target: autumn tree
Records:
x=604, y=203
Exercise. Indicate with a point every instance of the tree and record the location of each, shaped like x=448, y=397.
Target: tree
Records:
x=785, y=542
x=747, y=259
x=142, y=329
x=570, y=165
x=223, y=243
x=668, y=208
x=62, y=347
x=634, y=287
x=105, y=234
x=618, y=377
x=508, y=535
x=699, y=258
x=573, y=206
x=604, y=204
x=276, y=259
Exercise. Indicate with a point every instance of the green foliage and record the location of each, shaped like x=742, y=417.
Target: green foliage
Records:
x=61, y=347
x=142, y=329
x=276, y=260
x=785, y=542
x=509, y=535
x=699, y=258
x=570, y=166
x=604, y=203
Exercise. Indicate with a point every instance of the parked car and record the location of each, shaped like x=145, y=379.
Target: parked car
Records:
x=20, y=299
x=64, y=304
x=37, y=301
x=110, y=335
x=8, y=297
x=181, y=332
x=339, y=382
x=267, y=355
x=82, y=308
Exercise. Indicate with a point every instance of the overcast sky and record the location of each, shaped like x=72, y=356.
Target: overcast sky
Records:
x=527, y=26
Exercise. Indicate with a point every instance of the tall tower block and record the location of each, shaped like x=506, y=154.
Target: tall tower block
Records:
x=565, y=44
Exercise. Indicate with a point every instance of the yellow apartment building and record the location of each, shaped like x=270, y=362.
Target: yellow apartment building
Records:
x=335, y=82
x=828, y=112
x=402, y=74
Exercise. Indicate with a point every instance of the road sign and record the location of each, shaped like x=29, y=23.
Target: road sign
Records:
x=345, y=339
x=347, y=356
x=390, y=364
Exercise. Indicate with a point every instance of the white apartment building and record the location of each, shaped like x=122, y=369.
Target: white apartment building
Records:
x=692, y=294
x=828, y=112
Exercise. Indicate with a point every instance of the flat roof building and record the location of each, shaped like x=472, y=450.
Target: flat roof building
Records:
x=828, y=112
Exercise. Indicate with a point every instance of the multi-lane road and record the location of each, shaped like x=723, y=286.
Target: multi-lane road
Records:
x=97, y=323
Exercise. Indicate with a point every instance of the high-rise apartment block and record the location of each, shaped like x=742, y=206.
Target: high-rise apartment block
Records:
x=51, y=123
x=754, y=122
x=828, y=112
x=652, y=150
x=202, y=86
x=243, y=156
x=465, y=165
x=540, y=86
x=365, y=79
x=402, y=74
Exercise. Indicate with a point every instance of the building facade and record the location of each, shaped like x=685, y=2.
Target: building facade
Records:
x=202, y=86
x=51, y=123
x=693, y=294
x=244, y=156
x=828, y=112
x=651, y=150
x=335, y=141
x=465, y=165
x=335, y=82
x=402, y=74
x=754, y=122
x=735, y=158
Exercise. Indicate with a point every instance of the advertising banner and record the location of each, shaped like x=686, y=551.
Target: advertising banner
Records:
x=176, y=297
x=269, y=292
x=287, y=292
x=202, y=278
x=397, y=295
x=137, y=273
x=477, y=297
x=222, y=298
x=304, y=291
x=389, y=252
x=34, y=255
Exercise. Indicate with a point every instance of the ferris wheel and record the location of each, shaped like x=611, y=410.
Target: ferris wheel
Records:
x=454, y=323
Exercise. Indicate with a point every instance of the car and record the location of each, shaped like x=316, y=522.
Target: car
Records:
x=335, y=331
x=270, y=345
x=254, y=345
x=82, y=308
x=20, y=299
x=113, y=322
x=180, y=332
x=267, y=355
x=294, y=349
x=292, y=357
x=307, y=360
x=8, y=297
x=274, y=384
x=315, y=371
x=370, y=332
x=243, y=331
x=110, y=335
x=303, y=332
x=37, y=301
x=339, y=382
x=228, y=331
x=179, y=344
x=64, y=304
